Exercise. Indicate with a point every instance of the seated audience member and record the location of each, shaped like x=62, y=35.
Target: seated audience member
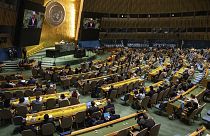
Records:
x=75, y=94
x=21, y=83
x=92, y=109
x=62, y=98
x=110, y=91
x=70, y=72
x=22, y=102
x=38, y=88
x=9, y=84
x=37, y=101
x=194, y=99
x=109, y=106
x=145, y=122
x=160, y=89
x=151, y=92
x=31, y=81
x=189, y=84
x=113, y=116
x=46, y=120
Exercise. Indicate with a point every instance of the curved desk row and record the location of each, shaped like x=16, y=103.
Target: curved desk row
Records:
x=106, y=128
x=57, y=113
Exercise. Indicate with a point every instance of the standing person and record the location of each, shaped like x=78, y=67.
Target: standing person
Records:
x=24, y=51
x=33, y=21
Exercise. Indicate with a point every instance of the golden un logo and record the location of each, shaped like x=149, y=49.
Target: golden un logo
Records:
x=55, y=13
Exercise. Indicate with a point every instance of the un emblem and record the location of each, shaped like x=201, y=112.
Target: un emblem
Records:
x=55, y=13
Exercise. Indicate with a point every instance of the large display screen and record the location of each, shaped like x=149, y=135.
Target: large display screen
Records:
x=91, y=23
x=30, y=19
x=33, y=19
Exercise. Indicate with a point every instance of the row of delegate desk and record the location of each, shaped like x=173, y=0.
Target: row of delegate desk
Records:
x=108, y=127
x=116, y=85
x=43, y=98
x=132, y=70
x=178, y=74
x=36, y=118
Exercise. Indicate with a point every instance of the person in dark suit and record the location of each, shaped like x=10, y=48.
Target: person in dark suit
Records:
x=109, y=106
x=92, y=109
x=145, y=122
x=46, y=120
x=33, y=21
x=151, y=92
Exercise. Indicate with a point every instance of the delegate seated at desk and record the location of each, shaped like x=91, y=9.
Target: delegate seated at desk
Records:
x=109, y=106
x=22, y=102
x=92, y=109
x=145, y=122
x=47, y=120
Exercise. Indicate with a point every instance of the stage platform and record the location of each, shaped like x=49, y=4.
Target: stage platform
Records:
x=69, y=59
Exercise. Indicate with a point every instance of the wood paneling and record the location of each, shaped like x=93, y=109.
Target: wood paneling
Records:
x=145, y=6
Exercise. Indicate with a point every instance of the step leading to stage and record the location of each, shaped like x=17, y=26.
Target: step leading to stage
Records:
x=11, y=65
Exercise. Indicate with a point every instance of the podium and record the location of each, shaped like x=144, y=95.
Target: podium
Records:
x=61, y=49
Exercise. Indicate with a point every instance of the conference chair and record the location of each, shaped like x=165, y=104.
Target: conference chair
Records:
x=2, y=78
x=64, y=103
x=73, y=80
x=80, y=118
x=120, y=91
x=143, y=104
x=18, y=94
x=51, y=103
x=47, y=76
x=36, y=107
x=136, y=85
x=143, y=132
x=100, y=82
x=165, y=94
x=51, y=91
x=55, y=77
x=28, y=132
x=8, y=95
x=190, y=117
x=34, y=72
x=200, y=108
x=93, y=84
x=125, y=88
x=154, y=131
x=5, y=116
x=66, y=123
x=18, y=120
x=47, y=129
x=21, y=111
x=86, y=76
x=124, y=132
x=37, y=93
x=86, y=89
x=130, y=86
x=160, y=96
x=74, y=101
x=96, y=114
x=28, y=93
x=153, y=99
x=66, y=83
x=113, y=95
x=125, y=98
